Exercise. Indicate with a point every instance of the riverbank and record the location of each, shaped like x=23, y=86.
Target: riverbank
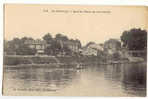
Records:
x=53, y=61
x=71, y=60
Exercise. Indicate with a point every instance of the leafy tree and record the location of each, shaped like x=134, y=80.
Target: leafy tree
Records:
x=47, y=38
x=134, y=39
x=79, y=43
x=58, y=36
x=55, y=47
x=18, y=45
x=14, y=44
x=67, y=50
x=112, y=43
x=61, y=37
x=25, y=50
x=48, y=50
x=25, y=39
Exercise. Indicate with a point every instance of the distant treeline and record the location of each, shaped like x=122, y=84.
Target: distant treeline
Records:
x=53, y=46
x=133, y=39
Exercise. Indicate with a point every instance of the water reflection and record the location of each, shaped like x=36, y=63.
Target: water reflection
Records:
x=129, y=78
x=134, y=79
x=42, y=77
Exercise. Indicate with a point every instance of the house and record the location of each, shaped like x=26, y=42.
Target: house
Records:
x=38, y=44
x=89, y=52
x=92, y=49
x=73, y=45
x=96, y=46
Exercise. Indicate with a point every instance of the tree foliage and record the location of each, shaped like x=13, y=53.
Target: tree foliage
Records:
x=79, y=43
x=112, y=43
x=134, y=39
x=25, y=50
x=54, y=46
x=47, y=38
x=61, y=37
x=19, y=47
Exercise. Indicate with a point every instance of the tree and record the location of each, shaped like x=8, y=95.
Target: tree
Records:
x=79, y=43
x=19, y=47
x=112, y=43
x=25, y=39
x=14, y=44
x=47, y=38
x=48, y=50
x=67, y=50
x=134, y=39
x=24, y=49
x=61, y=37
x=112, y=46
x=55, y=47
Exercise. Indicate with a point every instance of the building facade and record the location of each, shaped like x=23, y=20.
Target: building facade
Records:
x=74, y=46
x=92, y=49
x=38, y=44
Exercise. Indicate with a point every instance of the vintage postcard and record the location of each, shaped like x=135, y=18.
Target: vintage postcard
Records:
x=75, y=50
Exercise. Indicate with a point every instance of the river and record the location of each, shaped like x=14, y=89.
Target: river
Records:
x=127, y=79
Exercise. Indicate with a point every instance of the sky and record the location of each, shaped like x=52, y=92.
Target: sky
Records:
x=108, y=22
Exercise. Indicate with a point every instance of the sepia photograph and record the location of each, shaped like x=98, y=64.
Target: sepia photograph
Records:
x=75, y=50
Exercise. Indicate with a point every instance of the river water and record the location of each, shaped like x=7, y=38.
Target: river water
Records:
x=127, y=79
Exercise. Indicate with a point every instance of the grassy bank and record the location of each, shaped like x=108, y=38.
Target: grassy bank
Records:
x=82, y=59
x=16, y=60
